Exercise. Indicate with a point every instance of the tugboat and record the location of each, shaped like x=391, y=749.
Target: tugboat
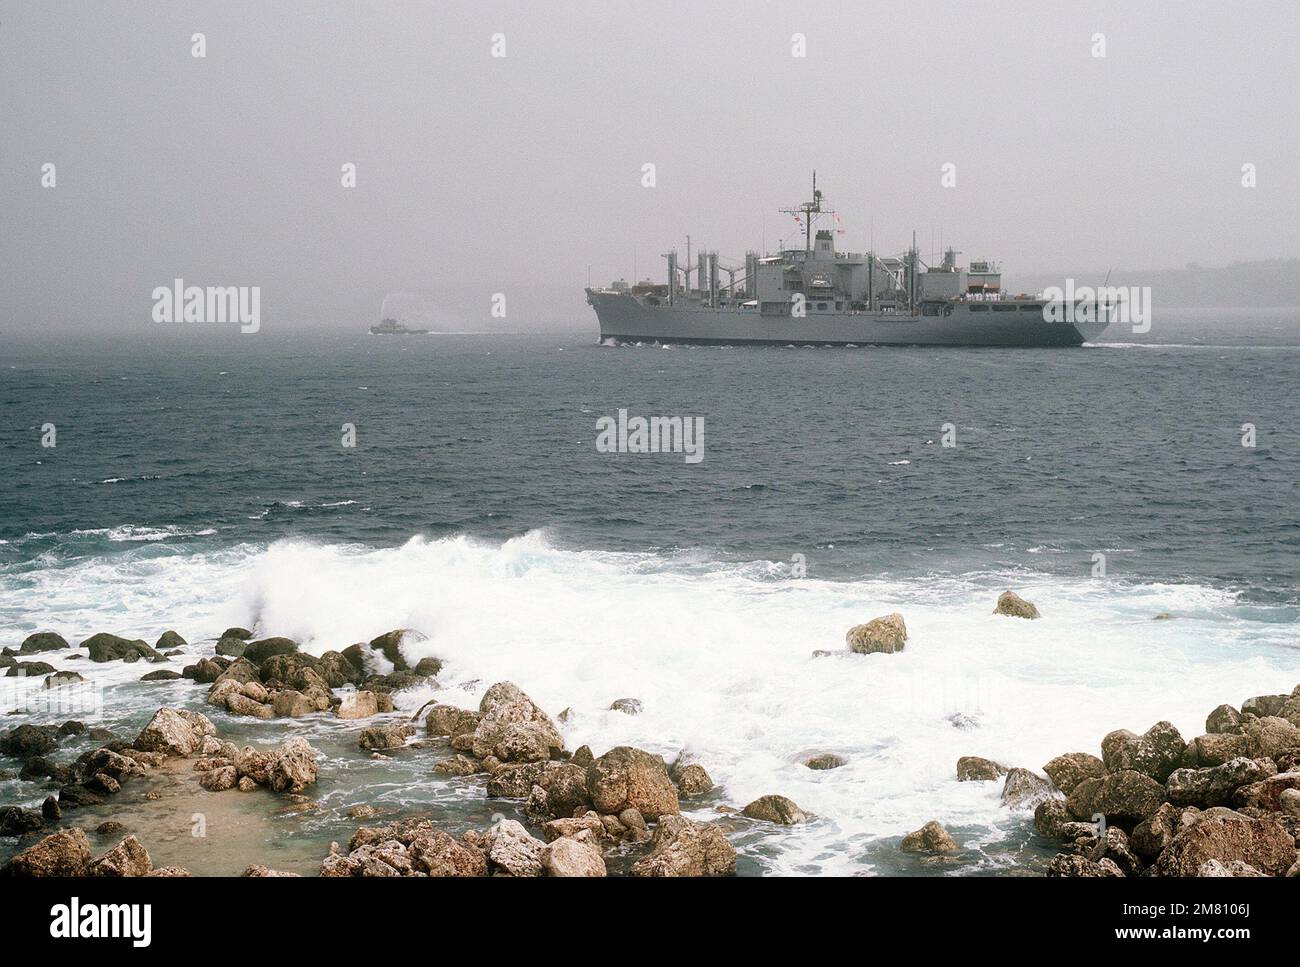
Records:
x=391, y=327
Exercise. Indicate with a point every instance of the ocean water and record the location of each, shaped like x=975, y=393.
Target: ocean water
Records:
x=200, y=482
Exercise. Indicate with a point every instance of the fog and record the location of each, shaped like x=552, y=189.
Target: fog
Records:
x=523, y=175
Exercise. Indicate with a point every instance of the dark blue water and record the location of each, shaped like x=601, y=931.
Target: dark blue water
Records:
x=1134, y=451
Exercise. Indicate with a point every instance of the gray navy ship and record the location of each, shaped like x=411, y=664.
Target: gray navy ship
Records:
x=815, y=295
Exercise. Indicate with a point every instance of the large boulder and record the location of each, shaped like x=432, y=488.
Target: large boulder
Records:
x=382, y=738
x=513, y=851
x=1025, y=790
x=693, y=781
x=449, y=720
x=681, y=847
x=259, y=651
x=338, y=671
x=1269, y=736
x=437, y=853
x=390, y=645
x=1264, y=706
x=127, y=858
x=1224, y=719
x=1067, y=771
x=930, y=838
x=292, y=766
x=1155, y=753
x=625, y=778
x=571, y=857
x=1158, y=830
x=775, y=809
x=1125, y=798
x=1213, y=786
x=1261, y=843
x=1073, y=864
x=65, y=853
x=105, y=647
x=885, y=635
x=1267, y=792
x=168, y=641
x=359, y=705
x=42, y=641
x=1010, y=603
x=560, y=789
x=972, y=768
x=175, y=731
x=513, y=728
x=1214, y=749
x=27, y=741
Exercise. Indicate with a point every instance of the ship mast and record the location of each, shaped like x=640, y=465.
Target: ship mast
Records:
x=808, y=210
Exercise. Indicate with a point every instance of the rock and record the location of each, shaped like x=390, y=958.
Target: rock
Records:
x=259, y=651
x=1124, y=798
x=436, y=853
x=65, y=853
x=1155, y=753
x=72, y=727
x=684, y=848
x=169, y=639
x=693, y=781
x=513, y=851
x=627, y=777
x=105, y=647
x=1224, y=719
x=884, y=635
x=240, y=704
x=161, y=675
x=359, y=705
x=569, y=857
x=1114, y=846
x=245, y=784
x=241, y=670
x=169, y=871
x=206, y=670
x=219, y=779
x=1067, y=771
x=560, y=789
x=27, y=741
x=1010, y=603
x=231, y=647
x=338, y=671
x=110, y=828
x=775, y=809
x=50, y=810
x=1025, y=790
x=449, y=720
x=1266, y=793
x=15, y=820
x=513, y=728
x=1264, y=706
x=1162, y=616
x=104, y=783
x=930, y=838
x=628, y=706
x=260, y=871
x=1213, y=786
x=971, y=768
x=428, y=667
x=1072, y=864
x=291, y=703
x=457, y=765
x=514, y=780
x=1214, y=750
x=174, y=731
x=42, y=641
x=390, y=644
x=1235, y=868
x=585, y=827
x=292, y=766
x=1288, y=801
x=1263, y=844
x=242, y=634
x=384, y=737
x=1267, y=737
x=127, y=858
x=29, y=669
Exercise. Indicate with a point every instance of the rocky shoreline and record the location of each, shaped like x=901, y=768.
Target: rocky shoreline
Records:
x=1226, y=803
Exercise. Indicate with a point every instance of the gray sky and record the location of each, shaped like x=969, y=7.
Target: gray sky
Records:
x=479, y=175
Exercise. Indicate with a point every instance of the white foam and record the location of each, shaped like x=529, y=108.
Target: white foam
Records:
x=720, y=655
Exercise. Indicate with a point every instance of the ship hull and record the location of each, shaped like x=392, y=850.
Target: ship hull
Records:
x=625, y=318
